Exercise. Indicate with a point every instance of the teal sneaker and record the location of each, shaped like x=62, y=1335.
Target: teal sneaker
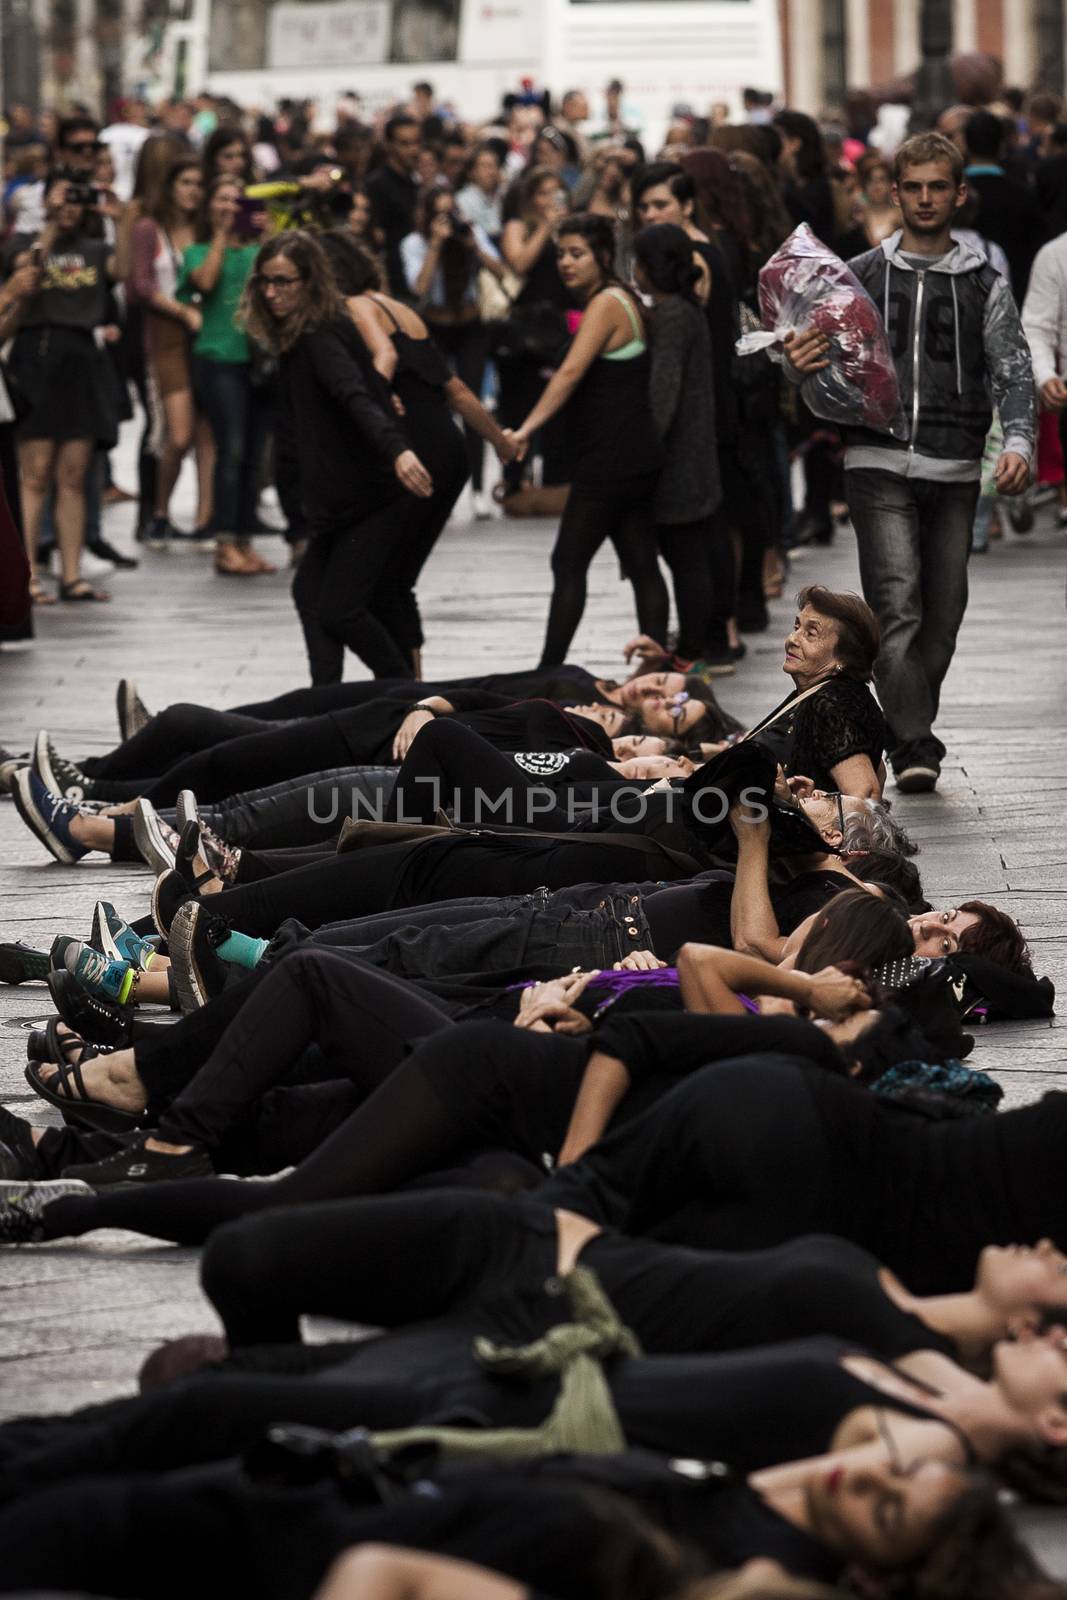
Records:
x=113, y=935
x=98, y=974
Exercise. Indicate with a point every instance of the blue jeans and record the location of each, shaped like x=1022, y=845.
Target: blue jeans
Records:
x=240, y=416
x=914, y=538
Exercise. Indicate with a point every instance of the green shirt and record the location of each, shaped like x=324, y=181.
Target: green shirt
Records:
x=219, y=339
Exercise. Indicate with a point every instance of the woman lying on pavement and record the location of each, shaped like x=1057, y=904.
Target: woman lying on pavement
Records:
x=528, y=927
x=311, y=809
x=557, y=1524
x=659, y=833
x=521, y=1102
x=773, y=1356
x=366, y=734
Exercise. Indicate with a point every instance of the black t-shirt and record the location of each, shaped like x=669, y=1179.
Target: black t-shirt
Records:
x=393, y=196
x=74, y=286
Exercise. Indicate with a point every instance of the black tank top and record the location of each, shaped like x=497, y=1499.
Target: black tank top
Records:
x=753, y=1408
x=677, y=1299
x=609, y=423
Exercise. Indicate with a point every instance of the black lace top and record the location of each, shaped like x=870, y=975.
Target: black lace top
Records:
x=842, y=720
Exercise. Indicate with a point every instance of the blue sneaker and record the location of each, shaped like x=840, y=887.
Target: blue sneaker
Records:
x=114, y=936
x=58, y=775
x=47, y=816
x=98, y=975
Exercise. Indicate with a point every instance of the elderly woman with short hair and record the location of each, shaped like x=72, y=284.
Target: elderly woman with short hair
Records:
x=829, y=728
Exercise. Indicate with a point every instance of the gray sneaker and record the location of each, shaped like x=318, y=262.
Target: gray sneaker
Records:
x=130, y=709
x=154, y=838
x=22, y=1207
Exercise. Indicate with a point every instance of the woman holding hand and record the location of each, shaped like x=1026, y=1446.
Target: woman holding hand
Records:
x=340, y=439
x=603, y=382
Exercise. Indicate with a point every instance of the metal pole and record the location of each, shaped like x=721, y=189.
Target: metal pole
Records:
x=933, y=81
x=835, y=68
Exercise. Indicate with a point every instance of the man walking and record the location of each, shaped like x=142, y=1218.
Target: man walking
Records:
x=956, y=339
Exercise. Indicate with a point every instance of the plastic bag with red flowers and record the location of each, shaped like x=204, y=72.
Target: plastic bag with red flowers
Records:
x=804, y=285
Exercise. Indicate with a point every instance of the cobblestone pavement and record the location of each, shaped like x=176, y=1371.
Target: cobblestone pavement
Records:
x=76, y=1320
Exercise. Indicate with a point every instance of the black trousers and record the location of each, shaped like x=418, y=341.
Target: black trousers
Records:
x=333, y=589
x=466, y=349
x=702, y=569
x=361, y=882
x=273, y=753
x=623, y=515
x=363, y=1021
x=300, y=811
x=429, y=1113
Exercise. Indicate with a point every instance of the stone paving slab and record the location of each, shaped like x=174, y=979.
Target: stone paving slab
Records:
x=76, y=1320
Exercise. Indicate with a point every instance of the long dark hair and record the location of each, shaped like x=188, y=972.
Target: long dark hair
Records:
x=320, y=301
x=163, y=211
x=810, y=159
x=721, y=205
x=858, y=928
x=665, y=252
x=458, y=263
x=225, y=135
x=354, y=268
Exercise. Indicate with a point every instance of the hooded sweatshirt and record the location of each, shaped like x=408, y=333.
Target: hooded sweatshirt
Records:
x=959, y=349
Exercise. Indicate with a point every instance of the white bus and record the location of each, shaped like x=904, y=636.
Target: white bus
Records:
x=667, y=52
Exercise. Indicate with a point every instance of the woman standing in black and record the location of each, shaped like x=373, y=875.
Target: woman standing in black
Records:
x=345, y=449
x=616, y=456
x=404, y=353
x=534, y=332
x=683, y=408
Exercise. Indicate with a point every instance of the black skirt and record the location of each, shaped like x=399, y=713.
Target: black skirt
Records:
x=67, y=384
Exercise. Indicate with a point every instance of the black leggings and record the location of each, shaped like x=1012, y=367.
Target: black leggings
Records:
x=702, y=570
x=393, y=601
x=274, y=753
x=623, y=515
x=363, y=1021
x=300, y=811
x=446, y=1101
x=173, y=735
x=332, y=591
x=453, y=768
x=466, y=349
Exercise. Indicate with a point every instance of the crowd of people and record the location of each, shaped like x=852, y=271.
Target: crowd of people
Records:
x=603, y=1054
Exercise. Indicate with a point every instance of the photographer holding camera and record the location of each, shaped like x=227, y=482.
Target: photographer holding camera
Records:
x=442, y=259
x=67, y=393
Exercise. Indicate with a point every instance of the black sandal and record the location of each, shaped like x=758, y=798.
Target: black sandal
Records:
x=80, y=589
x=77, y=1108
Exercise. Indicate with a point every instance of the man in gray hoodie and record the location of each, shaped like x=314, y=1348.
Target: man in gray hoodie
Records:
x=959, y=349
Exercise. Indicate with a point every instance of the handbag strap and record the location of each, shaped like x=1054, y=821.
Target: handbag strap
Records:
x=788, y=705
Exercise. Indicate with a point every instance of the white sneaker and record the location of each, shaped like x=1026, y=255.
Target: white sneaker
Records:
x=483, y=506
x=93, y=567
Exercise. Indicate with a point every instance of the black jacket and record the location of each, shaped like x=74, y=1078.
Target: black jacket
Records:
x=336, y=438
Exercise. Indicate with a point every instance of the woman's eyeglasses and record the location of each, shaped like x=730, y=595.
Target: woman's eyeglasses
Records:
x=275, y=280
x=677, y=707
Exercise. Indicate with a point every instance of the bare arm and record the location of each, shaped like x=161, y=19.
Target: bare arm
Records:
x=711, y=978
x=519, y=251
x=754, y=927
x=604, y=1084
x=383, y=1572
x=206, y=275
x=465, y=404
x=598, y=325
x=857, y=776
x=381, y=347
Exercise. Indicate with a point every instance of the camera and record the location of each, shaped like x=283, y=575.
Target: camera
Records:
x=79, y=193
